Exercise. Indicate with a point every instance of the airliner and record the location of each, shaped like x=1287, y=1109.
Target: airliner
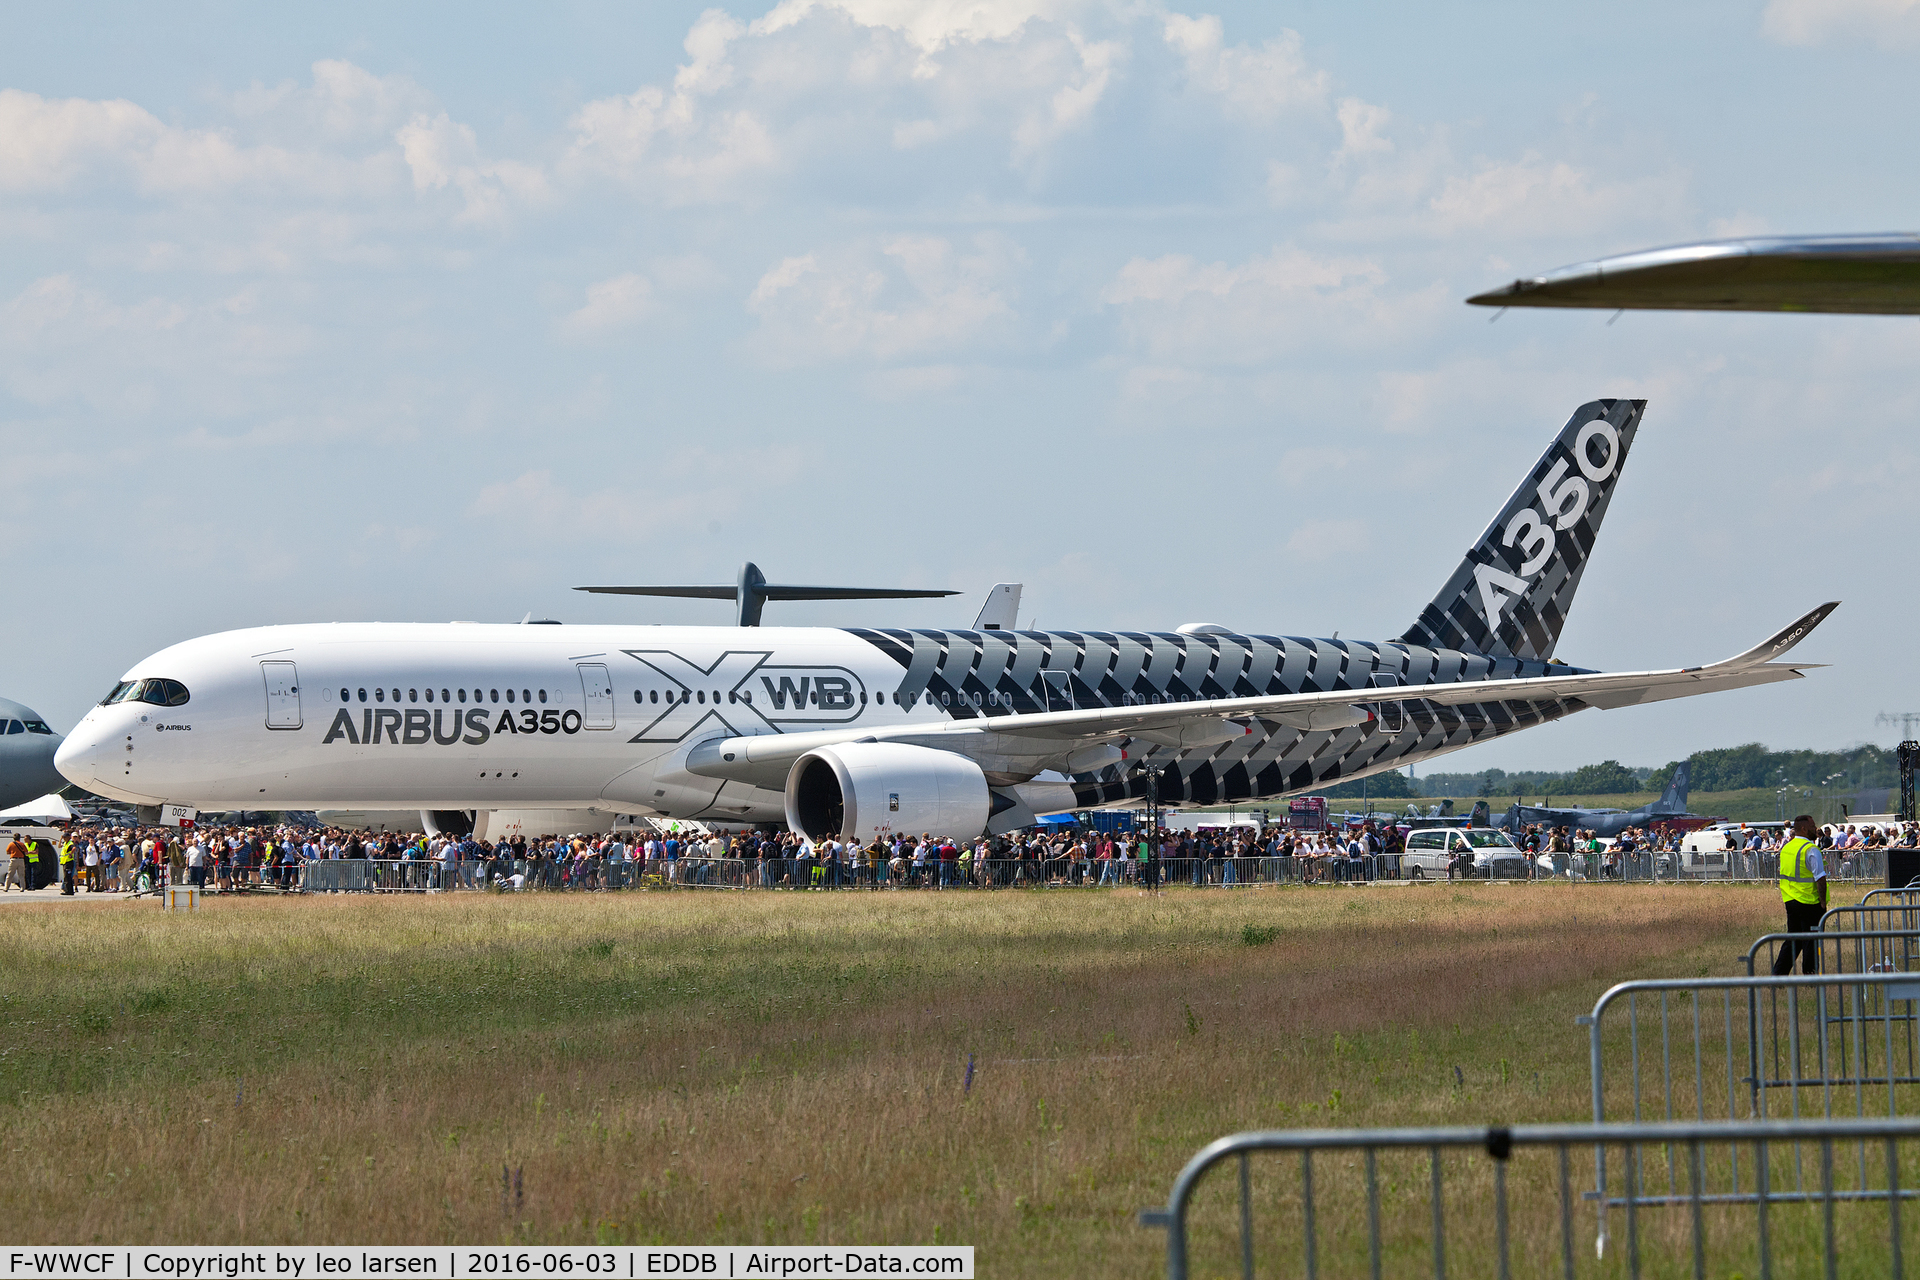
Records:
x=863, y=731
x=27, y=748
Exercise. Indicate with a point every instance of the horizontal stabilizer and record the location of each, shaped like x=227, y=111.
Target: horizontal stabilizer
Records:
x=753, y=590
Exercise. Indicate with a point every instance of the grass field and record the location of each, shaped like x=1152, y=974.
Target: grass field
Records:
x=783, y=1068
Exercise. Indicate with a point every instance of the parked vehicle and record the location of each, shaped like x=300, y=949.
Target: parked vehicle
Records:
x=1489, y=854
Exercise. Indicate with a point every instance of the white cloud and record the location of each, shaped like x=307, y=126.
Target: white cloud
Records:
x=51, y=144
x=344, y=102
x=929, y=25
x=915, y=296
x=1532, y=196
x=1256, y=82
x=65, y=344
x=1360, y=126
x=826, y=79
x=441, y=152
x=695, y=487
x=1329, y=541
x=1183, y=311
x=1812, y=22
x=612, y=303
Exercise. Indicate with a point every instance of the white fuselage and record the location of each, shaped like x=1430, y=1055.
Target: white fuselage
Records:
x=475, y=716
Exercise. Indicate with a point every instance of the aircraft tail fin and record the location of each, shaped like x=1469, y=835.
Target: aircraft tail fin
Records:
x=1674, y=798
x=1001, y=612
x=1481, y=814
x=1511, y=593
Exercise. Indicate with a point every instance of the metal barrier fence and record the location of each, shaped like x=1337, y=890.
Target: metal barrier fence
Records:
x=405, y=875
x=379, y=875
x=1772, y=1046
x=1380, y=1200
x=1864, y=951
x=1863, y=916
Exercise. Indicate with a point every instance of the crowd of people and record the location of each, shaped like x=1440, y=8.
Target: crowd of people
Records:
x=1749, y=852
x=105, y=859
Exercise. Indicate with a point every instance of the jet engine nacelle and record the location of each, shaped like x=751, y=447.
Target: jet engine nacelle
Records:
x=861, y=789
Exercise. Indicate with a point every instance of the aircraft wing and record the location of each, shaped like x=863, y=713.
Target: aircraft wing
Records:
x=763, y=759
x=1855, y=275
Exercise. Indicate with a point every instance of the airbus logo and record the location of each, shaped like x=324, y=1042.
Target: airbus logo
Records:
x=741, y=691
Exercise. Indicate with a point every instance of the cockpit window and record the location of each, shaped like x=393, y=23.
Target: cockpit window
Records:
x=13, y=726
x=120, y=692
x=159, y=693
x=38, y=726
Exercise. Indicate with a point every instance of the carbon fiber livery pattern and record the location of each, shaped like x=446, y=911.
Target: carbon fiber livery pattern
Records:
x=990, y=674
x=1502, y=599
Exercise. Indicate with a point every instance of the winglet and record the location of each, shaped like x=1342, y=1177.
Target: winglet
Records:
x=1779, y=642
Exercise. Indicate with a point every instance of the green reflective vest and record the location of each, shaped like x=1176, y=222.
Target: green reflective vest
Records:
x=1796, y=872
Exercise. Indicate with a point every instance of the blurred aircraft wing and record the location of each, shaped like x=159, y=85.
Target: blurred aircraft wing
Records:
x=1853, y=275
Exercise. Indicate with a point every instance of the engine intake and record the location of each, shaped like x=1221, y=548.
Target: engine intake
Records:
x=864, y=789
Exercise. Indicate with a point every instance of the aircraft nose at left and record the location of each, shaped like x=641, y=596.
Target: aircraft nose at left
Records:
x=83, y=757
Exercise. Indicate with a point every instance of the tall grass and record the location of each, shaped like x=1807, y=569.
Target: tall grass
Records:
x=782, y=1068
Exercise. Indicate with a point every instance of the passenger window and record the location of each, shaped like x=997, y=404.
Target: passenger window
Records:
x=509, y=695
x=496, y=694
x=413, y=695
x=429, y=695
x=396, y=695
x=703, y=695
x=655, y=696
x=747, y=697
x=363, y=695
x=525, y=696
x=463, y=694
x=379, y=695
x=543, y=695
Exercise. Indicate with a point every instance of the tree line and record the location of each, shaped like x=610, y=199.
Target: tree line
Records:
x=1724, y=769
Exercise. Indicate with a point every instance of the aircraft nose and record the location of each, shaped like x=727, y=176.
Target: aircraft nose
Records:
x=79, y=758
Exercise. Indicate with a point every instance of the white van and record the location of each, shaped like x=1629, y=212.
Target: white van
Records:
x=1494, y=856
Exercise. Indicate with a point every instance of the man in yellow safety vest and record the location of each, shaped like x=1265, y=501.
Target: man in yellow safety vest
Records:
x=1803, y=888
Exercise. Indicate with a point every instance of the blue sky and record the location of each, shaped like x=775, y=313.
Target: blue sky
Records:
x=414, y=312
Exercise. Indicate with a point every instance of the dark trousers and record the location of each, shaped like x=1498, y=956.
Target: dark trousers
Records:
x=1802, y=917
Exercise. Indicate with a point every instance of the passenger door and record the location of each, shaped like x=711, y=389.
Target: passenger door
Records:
x=598, y=688
x=283, y=694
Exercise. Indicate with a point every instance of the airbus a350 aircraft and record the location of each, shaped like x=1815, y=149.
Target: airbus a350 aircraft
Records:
x=862, y=731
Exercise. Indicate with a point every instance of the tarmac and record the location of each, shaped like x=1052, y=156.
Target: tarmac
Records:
x=52, y=894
